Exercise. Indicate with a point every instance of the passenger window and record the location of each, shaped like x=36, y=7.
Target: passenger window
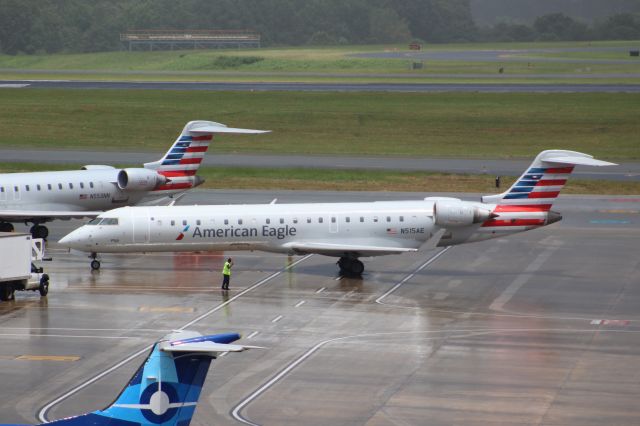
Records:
x=173, y=223
x=1, y=188
x=16, y=189
x=82, y=185
x=319, y=220
x=375, y=218
x=90, y=184
x=347, y=219
x=388, y=218
x=184, y=223
x=239, y=221
x=59, y=186
x=38, y=187
x=281, y=220
x=401, y=218
x=70, y=185
x=308, y=220
x=361, y=218
x=226, y=221
x=198, y=222
x=333, y=220
x=295, y=220
x=49, y=186
x=268, y=221
x=26, y=187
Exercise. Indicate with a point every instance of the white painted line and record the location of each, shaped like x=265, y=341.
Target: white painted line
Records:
x=300, y=303
x=411, y=275
x=12, y=86
x=320, y=290
x=236, y=412
x=276, y=319
x=338, y=278
x=42, y=414
x=441, y=295
x=222, y=354
x=252, y=335
x=522, y=279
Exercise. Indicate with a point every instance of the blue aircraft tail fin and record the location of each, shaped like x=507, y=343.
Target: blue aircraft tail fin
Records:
x=166, y=387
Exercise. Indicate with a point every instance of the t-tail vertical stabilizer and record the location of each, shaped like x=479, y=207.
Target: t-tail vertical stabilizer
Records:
x=166, y=387
x=528, y=202
x=180, y=164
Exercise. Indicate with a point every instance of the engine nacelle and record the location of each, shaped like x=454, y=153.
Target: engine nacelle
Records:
x=458, y=213
x=96, y=167
x=139, y=179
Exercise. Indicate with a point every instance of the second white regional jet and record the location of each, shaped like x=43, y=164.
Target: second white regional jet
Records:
x=344, y=230
x=40, y=197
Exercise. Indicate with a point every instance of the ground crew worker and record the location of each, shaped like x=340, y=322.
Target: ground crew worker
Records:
x=226, y=273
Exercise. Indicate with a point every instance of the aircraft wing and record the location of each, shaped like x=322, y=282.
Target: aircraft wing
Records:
x=20, y=215
x=337, y=249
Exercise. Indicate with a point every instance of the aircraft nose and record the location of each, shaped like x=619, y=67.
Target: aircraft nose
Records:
x=553, y=217
x=74, y=239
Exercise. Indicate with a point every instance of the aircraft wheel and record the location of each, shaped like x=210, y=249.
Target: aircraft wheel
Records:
x=95, y=265
x=357, y=267
x=6, y=292
x=6, y=227
x=39, y=231
x=44, y=285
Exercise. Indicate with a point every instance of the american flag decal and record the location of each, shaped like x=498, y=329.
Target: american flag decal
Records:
x=83, y=196
x=392, y=231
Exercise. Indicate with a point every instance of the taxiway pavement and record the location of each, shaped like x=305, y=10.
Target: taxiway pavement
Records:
x=329, y=87
x=536, y=328
x=627, y=171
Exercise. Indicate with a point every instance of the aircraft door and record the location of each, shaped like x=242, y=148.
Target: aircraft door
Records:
x=140, y=220
x=333, y=224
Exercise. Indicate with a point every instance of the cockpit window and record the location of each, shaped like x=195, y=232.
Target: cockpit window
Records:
x=104, y=221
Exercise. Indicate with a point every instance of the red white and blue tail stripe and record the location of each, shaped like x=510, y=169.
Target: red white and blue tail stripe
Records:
x=527, y=204
x=180, y=164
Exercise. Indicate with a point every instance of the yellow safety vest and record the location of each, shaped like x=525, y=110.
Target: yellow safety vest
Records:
x=226, y=270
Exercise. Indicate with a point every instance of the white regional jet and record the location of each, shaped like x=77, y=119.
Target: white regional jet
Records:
x=344, y=230
x=41, y=197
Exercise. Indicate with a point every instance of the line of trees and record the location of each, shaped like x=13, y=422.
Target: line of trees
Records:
x=47, y=26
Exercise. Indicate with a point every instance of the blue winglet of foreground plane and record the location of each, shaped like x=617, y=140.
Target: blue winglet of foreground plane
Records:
x=166, y=387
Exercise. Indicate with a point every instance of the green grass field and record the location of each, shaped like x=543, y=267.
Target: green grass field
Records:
x=472, y=125
x=355, y=180
x=310, y=63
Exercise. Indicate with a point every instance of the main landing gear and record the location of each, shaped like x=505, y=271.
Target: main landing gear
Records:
x=6, y=227
x=95, y=263
x=39, y=231
x=350, y=266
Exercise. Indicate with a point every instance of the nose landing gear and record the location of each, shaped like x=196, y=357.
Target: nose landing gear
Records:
x=95, y=263
x=350, y=266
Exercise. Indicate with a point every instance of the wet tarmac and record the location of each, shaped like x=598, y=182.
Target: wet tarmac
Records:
x=537, y=328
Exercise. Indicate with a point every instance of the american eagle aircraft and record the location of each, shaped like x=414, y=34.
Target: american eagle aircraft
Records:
x=41, y=197
x=344, y=230
x=166, y=387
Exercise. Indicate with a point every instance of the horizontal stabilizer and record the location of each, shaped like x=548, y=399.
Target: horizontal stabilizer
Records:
x=579, y=161
x=208, y=347
x=225, y=129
